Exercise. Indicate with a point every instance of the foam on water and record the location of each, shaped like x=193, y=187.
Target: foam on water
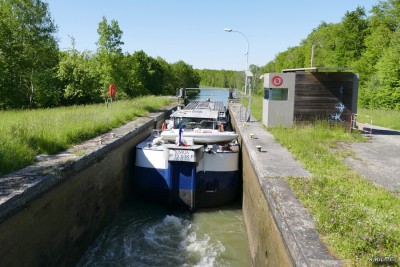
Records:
x=168, y=241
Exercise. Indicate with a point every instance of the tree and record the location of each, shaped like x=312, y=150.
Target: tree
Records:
x=323, y=38
x=388, y=74
x=185, y=75
x=386, y=13
x=168, y=79
x=350, y=41
x=110, y=36
x=138, y=76
x=79, y=77
x=29, y=55
x=222, y=78
x=381, y=27
x=148, y=75
x=109, y=53
x=293, y=57
x=377, y=66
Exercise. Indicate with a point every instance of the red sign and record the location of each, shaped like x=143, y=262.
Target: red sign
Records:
x=276, y=80
x=112, y=90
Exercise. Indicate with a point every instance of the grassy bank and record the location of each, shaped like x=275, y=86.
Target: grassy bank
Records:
x=24, y=134
x=356, y=219
x=385, y=118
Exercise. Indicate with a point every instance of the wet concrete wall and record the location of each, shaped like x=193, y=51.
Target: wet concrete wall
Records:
x=51, y=211
x=265, y=241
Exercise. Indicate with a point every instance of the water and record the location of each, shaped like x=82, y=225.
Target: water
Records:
x=147, y=235
x=215, y=94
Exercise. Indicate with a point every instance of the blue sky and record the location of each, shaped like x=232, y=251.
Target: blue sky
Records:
x=192, y=31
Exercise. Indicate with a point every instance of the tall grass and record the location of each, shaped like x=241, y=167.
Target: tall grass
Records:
x=385, y=118
x=257, y=105
x=24, y=134
x=357, y=219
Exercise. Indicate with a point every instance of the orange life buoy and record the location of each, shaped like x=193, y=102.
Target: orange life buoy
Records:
x=276, y=80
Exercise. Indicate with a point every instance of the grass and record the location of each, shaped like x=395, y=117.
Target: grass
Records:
x=385, y=118
x=25, y=134
x=356, y=219
x=256, y=105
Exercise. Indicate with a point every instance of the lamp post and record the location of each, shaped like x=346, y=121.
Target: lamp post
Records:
x=247, y=40
x=249, y=75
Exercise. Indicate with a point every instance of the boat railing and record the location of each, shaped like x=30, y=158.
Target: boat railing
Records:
x=156, y=132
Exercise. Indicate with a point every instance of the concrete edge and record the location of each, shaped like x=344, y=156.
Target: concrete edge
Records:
x=296, y=225
x=26, y=185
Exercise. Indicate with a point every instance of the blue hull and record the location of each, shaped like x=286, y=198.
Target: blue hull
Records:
x=206, y=189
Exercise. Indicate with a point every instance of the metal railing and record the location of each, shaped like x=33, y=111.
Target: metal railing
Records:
x=362, y=123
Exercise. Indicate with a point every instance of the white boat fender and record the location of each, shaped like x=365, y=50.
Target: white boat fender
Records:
x=170, y=125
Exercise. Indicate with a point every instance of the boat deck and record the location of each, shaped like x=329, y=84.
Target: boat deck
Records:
x=217, y=105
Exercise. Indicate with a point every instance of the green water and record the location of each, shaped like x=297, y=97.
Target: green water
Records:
x=147, y=235
x=144, y=234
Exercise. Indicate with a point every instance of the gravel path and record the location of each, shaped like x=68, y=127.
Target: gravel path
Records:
x=379, y=158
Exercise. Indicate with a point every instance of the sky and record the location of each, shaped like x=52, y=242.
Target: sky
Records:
x=193, y=31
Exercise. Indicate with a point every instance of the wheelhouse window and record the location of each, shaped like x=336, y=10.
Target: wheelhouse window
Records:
x=192, y=123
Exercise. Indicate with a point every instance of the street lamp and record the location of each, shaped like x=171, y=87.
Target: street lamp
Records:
x=247, y=40
x=249, y=75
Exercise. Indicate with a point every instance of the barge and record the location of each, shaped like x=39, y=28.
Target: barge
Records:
x=193, y=161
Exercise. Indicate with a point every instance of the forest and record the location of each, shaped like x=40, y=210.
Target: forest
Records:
x=36, y=73
x=365, y=44
x=229, y=78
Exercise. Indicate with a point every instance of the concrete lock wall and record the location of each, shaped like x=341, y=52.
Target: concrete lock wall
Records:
x=267, y=247
x=280, y=230
x=61, y=204
x=265, y=241
x=65, y=205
